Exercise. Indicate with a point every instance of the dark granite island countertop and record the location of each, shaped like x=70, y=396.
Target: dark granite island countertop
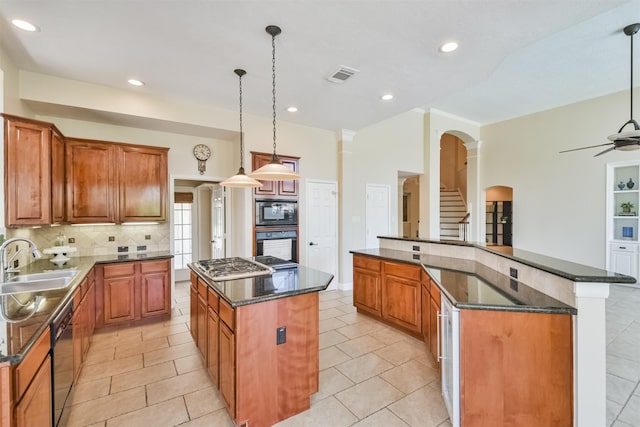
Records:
x=472, y=285
x=282, y=283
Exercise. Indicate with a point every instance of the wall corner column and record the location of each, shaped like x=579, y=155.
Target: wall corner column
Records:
x=474, y=197
x=346, y=192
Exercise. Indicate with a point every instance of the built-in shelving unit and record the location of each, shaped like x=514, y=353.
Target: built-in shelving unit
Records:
x=623, y=188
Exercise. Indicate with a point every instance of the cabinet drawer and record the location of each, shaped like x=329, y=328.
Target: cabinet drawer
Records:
x=154, y=266
x=27, y=369
x=202, y=289
x=212, y=298
x=226, y=314
x=407, y=271
x=366, y=263
x=435, y=292
x=624, y=247
x=119, y=270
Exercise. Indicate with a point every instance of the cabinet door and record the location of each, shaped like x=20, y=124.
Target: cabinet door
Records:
x=202, y=326
x=290, y=187
x=228, y=369
x=27, y=173
x=193, y=307
x=401, y=302
x=426, y=313
x=624, y=259
x=58, y=213
x=155, y=289
x=119, y=299
x=434, y=334
x=212, y=345
x=35, y=409
x=142, y=176
x=269, y=188
x=366, y=291
x=91, y=181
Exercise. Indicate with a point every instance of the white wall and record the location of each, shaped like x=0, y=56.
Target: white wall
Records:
x=375, y=156
x=558, y=199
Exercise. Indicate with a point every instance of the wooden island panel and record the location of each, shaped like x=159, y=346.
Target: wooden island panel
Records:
x=505, y=352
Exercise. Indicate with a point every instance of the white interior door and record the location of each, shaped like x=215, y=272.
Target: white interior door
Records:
x=322, y=228
x=217, y=221
x=378, y=213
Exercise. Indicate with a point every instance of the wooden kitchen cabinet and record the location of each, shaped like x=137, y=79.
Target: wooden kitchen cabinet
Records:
x=213, y=337
x=35, y=407
x=91, y=181
x=155, y=288
x=401, y=303
x=34, y=172
x=142, y=177
x=227, y=357
x=367, y=284
x=132, y=290
x=434, y=310
x=202, y=319
x=84, y=303
x=193, y=307
x=285, y=189
x=114, y=182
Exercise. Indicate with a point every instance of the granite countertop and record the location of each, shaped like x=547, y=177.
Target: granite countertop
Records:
x=566, y=269
x=471, y=285
x=283, y=283
x=17, y=336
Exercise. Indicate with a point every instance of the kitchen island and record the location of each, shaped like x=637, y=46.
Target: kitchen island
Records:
x=259, y=337
x=476, y=285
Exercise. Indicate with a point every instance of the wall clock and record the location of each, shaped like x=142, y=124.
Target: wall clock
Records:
x=202, y=153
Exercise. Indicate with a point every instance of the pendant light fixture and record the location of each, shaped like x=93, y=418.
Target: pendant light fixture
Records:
x=241, y=179
x=275, y=170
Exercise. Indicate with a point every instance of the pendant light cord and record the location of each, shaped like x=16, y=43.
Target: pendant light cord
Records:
x=273, y=79
x=241, y=132
x=631, y=87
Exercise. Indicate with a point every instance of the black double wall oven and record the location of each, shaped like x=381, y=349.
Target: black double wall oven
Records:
x=277, y=228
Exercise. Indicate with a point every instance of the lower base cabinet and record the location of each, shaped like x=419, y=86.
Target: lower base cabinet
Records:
x=260, y=381
x=132, y=290
x=35, y=407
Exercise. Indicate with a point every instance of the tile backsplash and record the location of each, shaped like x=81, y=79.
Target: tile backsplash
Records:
x=94, y=240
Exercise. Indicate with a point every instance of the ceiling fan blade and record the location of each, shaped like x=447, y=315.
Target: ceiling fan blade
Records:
x=605, y=151
x=584, y=148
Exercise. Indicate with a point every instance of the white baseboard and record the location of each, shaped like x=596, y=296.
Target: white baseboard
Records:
x=346, y=286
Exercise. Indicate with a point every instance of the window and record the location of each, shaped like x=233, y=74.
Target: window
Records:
x=182, y=222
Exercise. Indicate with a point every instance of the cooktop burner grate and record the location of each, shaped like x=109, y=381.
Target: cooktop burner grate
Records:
x=232, y=268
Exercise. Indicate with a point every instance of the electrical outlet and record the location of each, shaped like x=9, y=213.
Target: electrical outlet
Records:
x=147, y=237
x=513, y=272
x=72, y=239
x=514, y=284
x=281, y=335
x=416, y=248
x=112, y=238
x=16, y=263
x=141, y=248
x=416, y=256
x=123, y=248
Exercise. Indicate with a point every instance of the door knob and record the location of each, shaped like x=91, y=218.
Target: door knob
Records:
x=313, y=244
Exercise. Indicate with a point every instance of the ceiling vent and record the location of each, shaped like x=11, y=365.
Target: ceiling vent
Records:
x=342, y=74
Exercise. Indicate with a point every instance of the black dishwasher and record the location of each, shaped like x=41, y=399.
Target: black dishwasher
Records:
x=61, y=361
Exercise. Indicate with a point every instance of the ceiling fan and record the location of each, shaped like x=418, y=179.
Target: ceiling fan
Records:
x=629, y=140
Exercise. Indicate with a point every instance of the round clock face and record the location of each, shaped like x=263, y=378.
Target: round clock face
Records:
x=201, y=152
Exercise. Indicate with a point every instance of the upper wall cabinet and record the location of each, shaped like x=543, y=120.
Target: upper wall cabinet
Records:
x=276, y=188
x=34, y=172
x=110, y=182
x=91, y=181
x=142, y=186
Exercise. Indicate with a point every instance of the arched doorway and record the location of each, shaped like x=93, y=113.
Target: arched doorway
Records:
x=453, y=186
x=499, y=216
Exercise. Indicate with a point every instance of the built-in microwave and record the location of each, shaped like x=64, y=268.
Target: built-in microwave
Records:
x=275, y=213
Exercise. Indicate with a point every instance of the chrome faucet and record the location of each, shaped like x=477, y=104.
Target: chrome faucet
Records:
x=6, y=269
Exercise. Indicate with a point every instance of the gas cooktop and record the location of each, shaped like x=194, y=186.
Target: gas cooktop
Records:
x=232, y=268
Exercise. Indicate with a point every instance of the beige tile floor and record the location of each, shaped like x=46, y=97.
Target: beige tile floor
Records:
x=371, y=375
x=152, y=375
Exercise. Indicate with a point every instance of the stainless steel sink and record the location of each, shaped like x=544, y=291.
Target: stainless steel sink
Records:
x=38, y=282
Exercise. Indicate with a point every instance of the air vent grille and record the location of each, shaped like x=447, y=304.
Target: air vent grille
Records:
x=342, y=74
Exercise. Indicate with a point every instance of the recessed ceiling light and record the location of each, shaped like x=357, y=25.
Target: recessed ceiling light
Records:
x=386, y=97
x=135, y=82
x=292, y=109
x=448, y=47
x=24, y=25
